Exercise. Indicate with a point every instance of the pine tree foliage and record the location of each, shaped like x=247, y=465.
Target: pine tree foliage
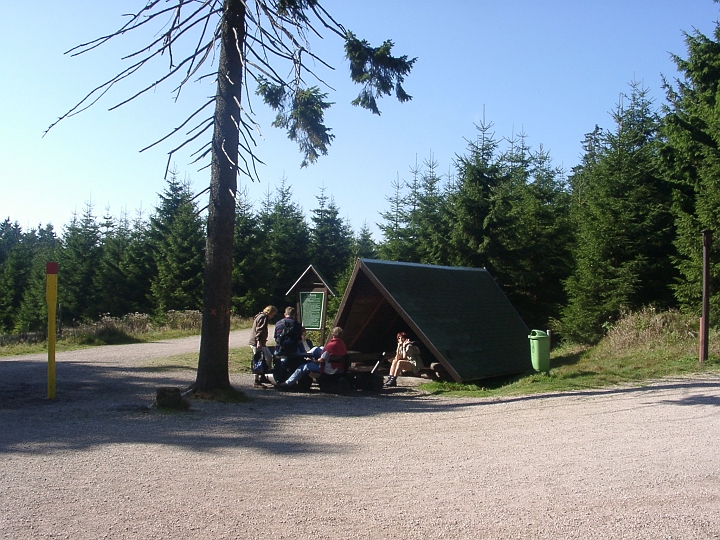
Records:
x=364, y=245
x=624, y=226
x=10, y=236
x=470, y=201
x=396, y=226
x=115, y=287
x=139, y=263
x=429, y=215
x=179, y=248
x=504, y=211
x=692, y=162
x=509, y=214
x=138, y=266
x=530, y=222
x=251, y=288
x=287, y=242
x=14, y=260
x=78, y=260
x=331, y=239
x=22, y=276
x=32, y=316
x=377, y=70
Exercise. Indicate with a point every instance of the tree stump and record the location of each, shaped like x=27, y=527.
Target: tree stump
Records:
x=171, y=398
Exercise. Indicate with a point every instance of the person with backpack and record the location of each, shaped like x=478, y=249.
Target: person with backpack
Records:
x=287, y=334
x=259, y=337
x=407, y=358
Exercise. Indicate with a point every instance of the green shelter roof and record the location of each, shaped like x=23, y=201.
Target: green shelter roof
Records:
x=459, y=316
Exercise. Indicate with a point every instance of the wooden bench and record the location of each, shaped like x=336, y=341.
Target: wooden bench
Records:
x=436, y=371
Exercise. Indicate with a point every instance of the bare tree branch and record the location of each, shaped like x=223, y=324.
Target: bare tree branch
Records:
x=174, y=131
x=274, y=34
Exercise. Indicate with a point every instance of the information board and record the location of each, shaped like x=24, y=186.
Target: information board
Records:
x=312, y=305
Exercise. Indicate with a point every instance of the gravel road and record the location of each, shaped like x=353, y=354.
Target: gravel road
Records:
x=96, y=462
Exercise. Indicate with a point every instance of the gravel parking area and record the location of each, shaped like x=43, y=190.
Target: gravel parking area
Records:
x=99, y=462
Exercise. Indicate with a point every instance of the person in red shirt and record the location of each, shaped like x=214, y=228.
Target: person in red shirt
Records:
x=335, y=347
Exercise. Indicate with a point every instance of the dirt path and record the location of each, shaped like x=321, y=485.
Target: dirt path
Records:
x=96, y=463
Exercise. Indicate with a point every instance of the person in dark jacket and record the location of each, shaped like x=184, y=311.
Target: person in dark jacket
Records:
x=306, y=347
x=287, y=341
x=259, y=337
x=305, y=344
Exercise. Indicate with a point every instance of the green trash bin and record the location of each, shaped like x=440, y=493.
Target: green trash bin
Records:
x=540, y=350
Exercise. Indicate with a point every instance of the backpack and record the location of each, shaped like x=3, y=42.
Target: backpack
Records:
x=286, y=342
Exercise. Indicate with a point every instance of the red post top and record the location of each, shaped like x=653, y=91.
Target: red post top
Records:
x=51, y=268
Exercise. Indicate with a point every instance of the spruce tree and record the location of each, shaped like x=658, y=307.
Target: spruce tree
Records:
x=251, y=288
x=287, y=243
x=79, y=260
x=22, y=259
x=330, y=239
x=112, y=282
x=364, y=245
x=178, y=250
x=691, y=159
x=32, y=315
x=14, y=261
x=429, y=217
x=507, y=212
x=530, y=222
x=138, y=266
x=470, y=201
x=395, y=228
x=621, y=212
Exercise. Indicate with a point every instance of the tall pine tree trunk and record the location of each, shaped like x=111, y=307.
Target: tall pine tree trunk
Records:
x=212, y=370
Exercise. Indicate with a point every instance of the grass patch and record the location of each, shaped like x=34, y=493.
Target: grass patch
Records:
x=132, y=328
x=238, y=361
x=641, y=347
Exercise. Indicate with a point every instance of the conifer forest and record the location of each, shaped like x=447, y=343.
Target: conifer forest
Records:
x=572, y=250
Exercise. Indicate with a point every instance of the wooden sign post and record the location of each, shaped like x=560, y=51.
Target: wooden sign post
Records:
x=705, y=319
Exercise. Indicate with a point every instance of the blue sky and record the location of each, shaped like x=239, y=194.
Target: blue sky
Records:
x=552, y=70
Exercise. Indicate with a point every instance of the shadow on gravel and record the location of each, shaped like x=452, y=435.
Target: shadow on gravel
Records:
x=99, y=405
x=695, y=400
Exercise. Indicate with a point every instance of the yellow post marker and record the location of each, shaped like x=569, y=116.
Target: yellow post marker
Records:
x=51, y=283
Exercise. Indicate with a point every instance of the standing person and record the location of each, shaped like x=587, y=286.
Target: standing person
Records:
x=259, y=337
x=407, y=358
x=287, y=334
x=334, y=348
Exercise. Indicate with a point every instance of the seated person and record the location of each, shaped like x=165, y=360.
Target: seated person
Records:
x=335, y=347
x=407, y=358
x=305, y=346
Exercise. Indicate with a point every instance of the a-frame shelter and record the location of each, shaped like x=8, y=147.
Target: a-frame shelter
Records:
x=459, y=316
